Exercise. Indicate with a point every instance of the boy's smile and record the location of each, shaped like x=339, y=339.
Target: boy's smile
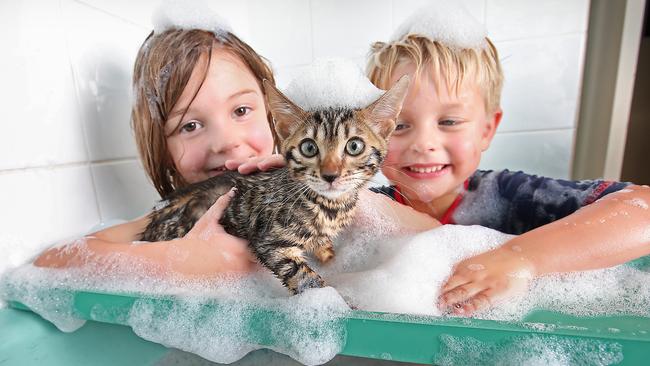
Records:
x=438, y=141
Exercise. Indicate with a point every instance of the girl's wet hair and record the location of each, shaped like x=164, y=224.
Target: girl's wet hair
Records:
x=162, y=70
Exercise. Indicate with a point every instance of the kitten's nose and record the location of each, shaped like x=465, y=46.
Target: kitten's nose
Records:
x=329, y=178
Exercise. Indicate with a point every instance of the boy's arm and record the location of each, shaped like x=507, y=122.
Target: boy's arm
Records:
x=206, y=250
x=611, y=231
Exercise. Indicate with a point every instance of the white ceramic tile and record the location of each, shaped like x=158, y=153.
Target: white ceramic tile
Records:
x=281, y=31
x=102, y=50
x=123, y=190
x=137, y=12
x=402, y=9
x=542, y=82
x=546, y=153
x=347, y=28
x=40, y=122
x=507, y=19
x=42, y=206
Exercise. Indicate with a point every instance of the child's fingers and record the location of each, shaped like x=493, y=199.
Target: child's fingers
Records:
x=233, y=164
x=460, y=294
x=480, y=301
x=273, y=161
x=250, y=166
x=211, y=217
x=453, y=282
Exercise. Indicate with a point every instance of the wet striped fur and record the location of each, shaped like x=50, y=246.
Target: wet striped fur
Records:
x=331, y=154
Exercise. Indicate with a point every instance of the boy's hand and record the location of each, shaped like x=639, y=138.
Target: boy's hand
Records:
x=251, y=165
x=481, y=281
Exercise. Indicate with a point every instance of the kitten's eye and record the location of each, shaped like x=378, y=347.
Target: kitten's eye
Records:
x=355, y=146
x=308, y=148
x=241, y=111
x=191, y=126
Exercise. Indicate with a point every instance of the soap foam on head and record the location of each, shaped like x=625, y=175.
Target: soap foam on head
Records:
x=175, y=14
x=332, y=83
x=447, y=22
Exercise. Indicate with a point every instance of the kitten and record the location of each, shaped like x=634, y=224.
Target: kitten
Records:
x=331, y=154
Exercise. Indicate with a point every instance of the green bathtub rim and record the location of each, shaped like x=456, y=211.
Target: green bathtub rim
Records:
x=412, y=338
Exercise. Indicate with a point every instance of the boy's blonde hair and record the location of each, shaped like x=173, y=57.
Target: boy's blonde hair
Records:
x=162, y=70
x=480, y=65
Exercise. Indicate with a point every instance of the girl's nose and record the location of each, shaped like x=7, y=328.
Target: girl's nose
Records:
x=223, y=139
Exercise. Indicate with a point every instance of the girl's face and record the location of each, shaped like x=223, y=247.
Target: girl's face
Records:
x=226, y=120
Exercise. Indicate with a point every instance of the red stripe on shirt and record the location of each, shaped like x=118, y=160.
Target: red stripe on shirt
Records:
x=595, y=194
x=447, y=218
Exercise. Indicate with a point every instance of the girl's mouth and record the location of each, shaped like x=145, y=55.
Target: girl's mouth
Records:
x=217, y=171
x=422, y=171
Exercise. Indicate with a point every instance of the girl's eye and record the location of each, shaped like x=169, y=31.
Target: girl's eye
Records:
x=355, y=146
x=191, y=126
x=308, y=148
x=241, y=111
x=448, y=122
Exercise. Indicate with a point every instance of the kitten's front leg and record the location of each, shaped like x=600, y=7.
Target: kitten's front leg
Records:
x=289, y=265
x=324, y=251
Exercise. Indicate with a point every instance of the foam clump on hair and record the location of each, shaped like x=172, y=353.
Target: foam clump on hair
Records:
x=334, y=83
x=196, y=14
x=447, y=22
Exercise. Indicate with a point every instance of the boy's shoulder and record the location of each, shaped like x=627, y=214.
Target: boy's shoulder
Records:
x=511, y=184
x=515, y=202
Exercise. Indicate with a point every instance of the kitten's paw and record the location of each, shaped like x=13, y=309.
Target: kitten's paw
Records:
x=305, y=283
x=324, y=254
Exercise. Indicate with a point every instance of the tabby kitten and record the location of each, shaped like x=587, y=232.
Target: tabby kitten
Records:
x=331, y=154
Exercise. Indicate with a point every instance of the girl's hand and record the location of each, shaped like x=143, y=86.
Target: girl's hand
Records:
x=479, y=282
x=251, y=165
x=207, y=249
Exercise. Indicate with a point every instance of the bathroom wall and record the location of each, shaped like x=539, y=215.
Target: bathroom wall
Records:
x=67, y=156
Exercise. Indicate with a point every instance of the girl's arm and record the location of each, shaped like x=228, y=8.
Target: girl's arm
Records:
x=608, y=232
x=206, y=250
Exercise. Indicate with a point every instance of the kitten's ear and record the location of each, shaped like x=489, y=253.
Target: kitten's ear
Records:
x=382, y=114
x=287, y=116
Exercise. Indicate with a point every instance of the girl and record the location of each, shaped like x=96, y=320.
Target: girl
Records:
x=199, y=109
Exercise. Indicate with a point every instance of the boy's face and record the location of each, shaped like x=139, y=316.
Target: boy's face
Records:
x=439, y=138
x=226, y=120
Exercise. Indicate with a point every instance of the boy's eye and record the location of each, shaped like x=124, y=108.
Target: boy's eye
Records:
x=191, y=126
x=241, y=111
x=401, y=126
x=448, y=122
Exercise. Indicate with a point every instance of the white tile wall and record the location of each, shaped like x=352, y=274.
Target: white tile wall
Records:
x=102, y=53
x=120, y=182
x=542, y=82
x=67, y=157
x=545, y=153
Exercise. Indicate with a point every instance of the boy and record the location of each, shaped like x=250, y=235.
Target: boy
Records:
x=448, y=119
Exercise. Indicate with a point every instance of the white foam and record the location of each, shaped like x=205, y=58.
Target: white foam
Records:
x=195, y=14
x=445, y=21
x=402, y=274
x=332, y=83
